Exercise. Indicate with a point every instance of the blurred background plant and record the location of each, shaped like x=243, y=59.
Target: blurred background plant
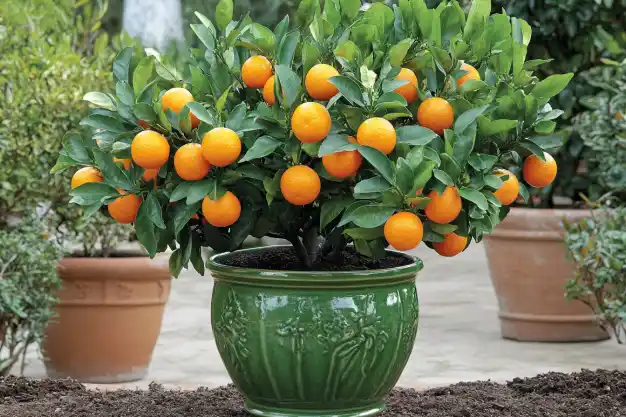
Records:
x=575, y=35
x=51, y=53
x=28, y=284
x=597, y=246
x=603, y=129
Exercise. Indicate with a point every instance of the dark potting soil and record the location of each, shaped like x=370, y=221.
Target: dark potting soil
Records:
x=285, y=259
x=584, y=394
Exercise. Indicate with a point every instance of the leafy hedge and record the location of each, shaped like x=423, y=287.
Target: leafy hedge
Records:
x=51, y=54
x=603, y=129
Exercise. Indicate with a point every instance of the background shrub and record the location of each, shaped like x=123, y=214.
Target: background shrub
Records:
x=598, y=248
x=603, y=129
x=28, y=283
x=51, y=53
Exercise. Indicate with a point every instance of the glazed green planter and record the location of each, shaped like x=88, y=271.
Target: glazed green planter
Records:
x=314, y=343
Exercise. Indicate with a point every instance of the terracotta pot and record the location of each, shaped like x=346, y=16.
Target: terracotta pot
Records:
x=529, y=270
x=109, y=318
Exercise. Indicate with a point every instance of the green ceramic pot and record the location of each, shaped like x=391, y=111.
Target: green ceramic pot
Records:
x=314, y=343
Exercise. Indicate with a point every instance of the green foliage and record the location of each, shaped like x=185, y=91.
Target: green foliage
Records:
x=51, y=54
x=28, y=286
x=570, y=35
x=603, y=129
x=598, y=249
x=498, y=121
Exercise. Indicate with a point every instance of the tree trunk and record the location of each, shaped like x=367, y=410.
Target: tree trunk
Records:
x=155, y=23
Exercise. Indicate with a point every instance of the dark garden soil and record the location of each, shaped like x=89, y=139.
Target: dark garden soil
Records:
x=585, y=394
x=285, y=259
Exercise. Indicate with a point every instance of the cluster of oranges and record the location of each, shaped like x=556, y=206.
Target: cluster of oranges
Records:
x=300, y=184
x=192, y=162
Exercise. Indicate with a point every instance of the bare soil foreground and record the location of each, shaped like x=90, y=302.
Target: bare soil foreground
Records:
x=585, y=394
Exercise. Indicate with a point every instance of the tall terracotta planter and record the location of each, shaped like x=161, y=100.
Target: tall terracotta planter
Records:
x=109, y=318
x=529, y=269
x=310, y=343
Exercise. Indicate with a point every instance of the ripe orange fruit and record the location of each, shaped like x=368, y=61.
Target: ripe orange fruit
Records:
x=538, y=173
x=221, y=146
x=317, y=84
x=268, y=91
x=310, y=122
x=300, y=185
x=150, y=150
x=85, y=175
x=472, y=74
x=256, y=71
x=509, y=191
x=175, y=99
x=404, y=231
x=124, y=209
x=435, y=114
x=408, y=91
x=343, y=164
x=444, y=208
x=125, y=162
x=378, y=133
x=222, y=212
x=189, y=163
x=150, y=174
x=451, y=246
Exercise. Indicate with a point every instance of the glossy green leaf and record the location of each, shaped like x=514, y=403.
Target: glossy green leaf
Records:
x=100, y=99
x=551, y=86
x=475, y=197
x=348, y=88
x=121, y=65
x=415, y=135
x=153, y=209
x=371, y=215
x=372, y=185
x=290, y=83
x=144, y=229
x=142, y=74
x=262, y=146
x=336, y=143
x=331, y=209
x=365, y=234
x=467, y=118
x=380, y=162
x=224, y=13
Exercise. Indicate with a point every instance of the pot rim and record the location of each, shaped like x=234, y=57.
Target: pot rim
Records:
x=318, y=278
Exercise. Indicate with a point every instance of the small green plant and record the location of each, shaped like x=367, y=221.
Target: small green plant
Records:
x=380, y=127
x=28, y=284
x=598, y=248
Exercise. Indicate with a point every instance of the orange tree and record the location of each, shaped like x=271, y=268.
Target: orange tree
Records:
x=384, y=126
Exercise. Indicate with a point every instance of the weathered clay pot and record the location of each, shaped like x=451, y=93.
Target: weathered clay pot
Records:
x=310, y=343
x=109, y=318
x=529, y=269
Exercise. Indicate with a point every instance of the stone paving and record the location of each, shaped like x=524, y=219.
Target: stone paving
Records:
x=458, y=339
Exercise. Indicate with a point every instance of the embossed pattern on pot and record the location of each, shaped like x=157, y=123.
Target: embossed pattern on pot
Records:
x=315, y=349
